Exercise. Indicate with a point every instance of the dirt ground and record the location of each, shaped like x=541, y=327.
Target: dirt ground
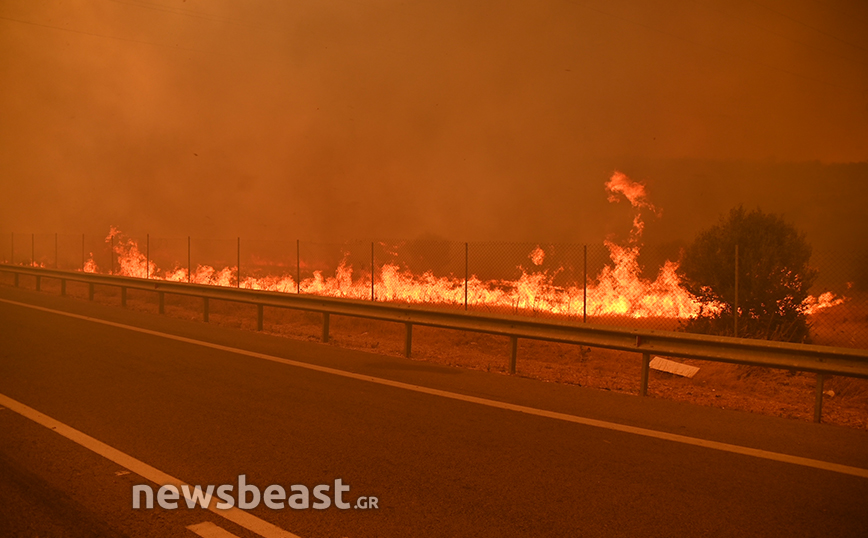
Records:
x=746, y=388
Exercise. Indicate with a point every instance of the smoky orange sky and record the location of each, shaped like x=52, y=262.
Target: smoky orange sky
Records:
x=339, y=119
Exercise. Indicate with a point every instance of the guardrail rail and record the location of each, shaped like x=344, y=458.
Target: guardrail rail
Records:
x=822, y=360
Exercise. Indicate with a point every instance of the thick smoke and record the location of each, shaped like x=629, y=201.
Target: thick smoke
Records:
x=327, y=120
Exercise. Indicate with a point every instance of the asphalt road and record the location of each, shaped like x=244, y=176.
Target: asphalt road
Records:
x=438, y=464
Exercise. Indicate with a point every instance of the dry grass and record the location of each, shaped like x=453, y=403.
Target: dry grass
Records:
x=754, y=389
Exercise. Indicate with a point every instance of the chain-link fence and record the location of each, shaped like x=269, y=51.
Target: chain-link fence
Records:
x=604, y=283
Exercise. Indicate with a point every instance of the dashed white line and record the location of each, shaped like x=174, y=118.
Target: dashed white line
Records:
x=239, y=517
x=206, y=529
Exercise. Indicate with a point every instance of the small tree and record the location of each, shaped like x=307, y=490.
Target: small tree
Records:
x=773, y=277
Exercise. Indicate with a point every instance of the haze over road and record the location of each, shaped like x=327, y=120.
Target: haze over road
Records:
x=440, y=466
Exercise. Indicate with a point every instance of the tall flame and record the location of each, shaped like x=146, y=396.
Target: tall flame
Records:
x=618, y=289
x=635, y=193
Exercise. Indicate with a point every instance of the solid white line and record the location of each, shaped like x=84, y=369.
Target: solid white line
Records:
x=695, y=441
x=235, y=515
x=206, y=529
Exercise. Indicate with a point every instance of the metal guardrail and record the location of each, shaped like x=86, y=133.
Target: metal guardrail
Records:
x=821, y=360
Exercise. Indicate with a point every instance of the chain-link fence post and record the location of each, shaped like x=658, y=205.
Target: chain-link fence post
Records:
x=585, y=286
x=466, y=272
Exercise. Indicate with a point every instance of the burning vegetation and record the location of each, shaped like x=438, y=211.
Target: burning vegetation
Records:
x=617, y=289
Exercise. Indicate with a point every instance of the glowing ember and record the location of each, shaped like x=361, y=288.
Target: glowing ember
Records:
x=617, y=290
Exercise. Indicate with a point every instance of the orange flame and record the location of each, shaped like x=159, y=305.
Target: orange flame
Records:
x=618, y=289
x=90, y=265
x=825, y=300
x=537, y=256
x=635, y=193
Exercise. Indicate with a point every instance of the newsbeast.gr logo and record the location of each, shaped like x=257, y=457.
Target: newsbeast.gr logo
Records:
x=249, y=497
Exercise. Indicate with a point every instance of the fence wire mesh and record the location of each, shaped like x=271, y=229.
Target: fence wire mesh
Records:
x=603, y=283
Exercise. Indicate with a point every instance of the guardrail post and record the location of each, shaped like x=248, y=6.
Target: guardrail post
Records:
x=513, y=343
x=818, y=399
x=38, y=283
x=162, y=300
x=259, y=316
x=205, y=313
x=646, y=361
x=823, y=362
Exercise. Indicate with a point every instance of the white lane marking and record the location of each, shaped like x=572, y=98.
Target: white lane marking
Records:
x=206, y=529
x=235, y=515
x=695, y=441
